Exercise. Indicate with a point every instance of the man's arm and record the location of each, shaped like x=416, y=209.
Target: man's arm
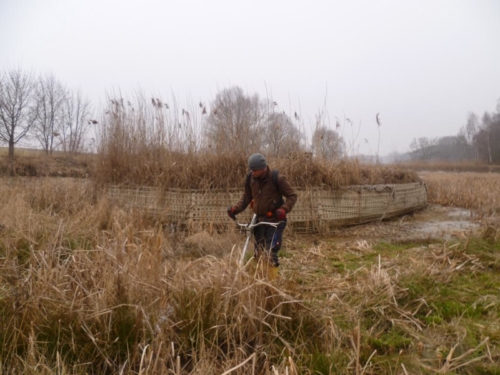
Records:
x=288, y=192
x=245, y=200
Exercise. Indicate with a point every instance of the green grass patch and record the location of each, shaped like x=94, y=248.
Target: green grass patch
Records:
x=389, y=248
x=390, y=342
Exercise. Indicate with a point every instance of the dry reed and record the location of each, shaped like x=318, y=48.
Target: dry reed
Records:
x=155, y=147
x=90, y=288
x=202, y=172
x=449, y=166
x=477, y=191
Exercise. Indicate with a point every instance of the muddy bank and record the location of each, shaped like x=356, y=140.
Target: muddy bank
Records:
x=432, y=223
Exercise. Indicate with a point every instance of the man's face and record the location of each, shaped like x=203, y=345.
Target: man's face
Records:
x=258, y=173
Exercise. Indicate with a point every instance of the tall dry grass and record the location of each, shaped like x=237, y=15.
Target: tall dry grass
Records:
x=168, y=169
x=145, y=143
x=86, y=287
x=478, y=191
x=134, y=152
x=204, y=172
x=89, y=288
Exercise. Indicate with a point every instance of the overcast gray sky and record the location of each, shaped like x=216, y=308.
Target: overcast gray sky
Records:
x=423, y=65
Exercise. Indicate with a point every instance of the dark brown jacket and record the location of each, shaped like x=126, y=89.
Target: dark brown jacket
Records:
x=266, y=195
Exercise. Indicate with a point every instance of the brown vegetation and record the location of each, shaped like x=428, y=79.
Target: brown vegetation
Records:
x=158, y=147
x=39, y=165
x=477, y=191
x=450, y=166
x=172, y=170
x=86, y=287
x=184, y=171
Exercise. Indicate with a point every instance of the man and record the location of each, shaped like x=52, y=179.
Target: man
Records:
x=264, y=190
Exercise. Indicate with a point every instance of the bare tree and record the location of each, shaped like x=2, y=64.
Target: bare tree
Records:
x=451, y=148
x=51, y=96
x=235, y=121
x=487, y=122
x=495, y=137
x=281, y=136
x=488, y=138
x=327, y=144
x=423, y=148
x=470, y=131
x=17, y=106
x=75, y=123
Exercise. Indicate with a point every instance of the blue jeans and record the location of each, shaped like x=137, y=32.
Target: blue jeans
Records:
x=268, y=238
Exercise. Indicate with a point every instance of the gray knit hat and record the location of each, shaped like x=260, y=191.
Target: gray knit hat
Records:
x=256, y=162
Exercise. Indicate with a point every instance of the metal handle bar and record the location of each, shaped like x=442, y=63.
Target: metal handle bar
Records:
x=253, y=225
x=248, y=228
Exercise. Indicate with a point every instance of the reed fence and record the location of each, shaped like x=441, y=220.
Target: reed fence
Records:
x=316, y=209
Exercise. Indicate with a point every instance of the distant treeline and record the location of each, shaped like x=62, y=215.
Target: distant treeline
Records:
x=478, y=140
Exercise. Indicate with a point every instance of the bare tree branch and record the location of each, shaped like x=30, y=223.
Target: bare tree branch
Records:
x=17, y=106
x=50, y=96
x=75, y=122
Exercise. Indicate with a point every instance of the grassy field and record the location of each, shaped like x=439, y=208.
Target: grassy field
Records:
x=25, y=151
x=89, y=288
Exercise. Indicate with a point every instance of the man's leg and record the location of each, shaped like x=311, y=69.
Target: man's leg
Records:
x=259, y=236
x=274, y=238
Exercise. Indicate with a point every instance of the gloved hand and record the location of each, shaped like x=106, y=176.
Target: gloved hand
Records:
x=231, y=212
x=281, y=213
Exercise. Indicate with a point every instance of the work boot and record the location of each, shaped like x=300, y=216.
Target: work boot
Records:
x=274, y=259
